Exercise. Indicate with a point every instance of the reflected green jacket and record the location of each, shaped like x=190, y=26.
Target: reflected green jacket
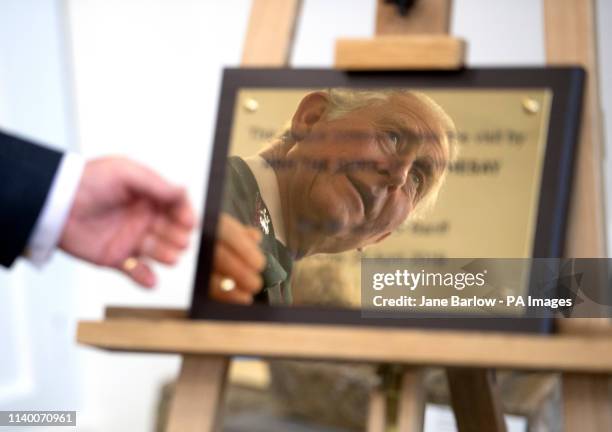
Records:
x=242, y=199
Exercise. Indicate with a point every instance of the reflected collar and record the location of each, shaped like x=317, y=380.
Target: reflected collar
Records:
x=268, y=187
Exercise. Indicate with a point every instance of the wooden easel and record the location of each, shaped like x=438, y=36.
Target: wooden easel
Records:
x=581, y=351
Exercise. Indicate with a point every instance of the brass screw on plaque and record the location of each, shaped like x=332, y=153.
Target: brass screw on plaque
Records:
x=251, y=105
x=531, y=106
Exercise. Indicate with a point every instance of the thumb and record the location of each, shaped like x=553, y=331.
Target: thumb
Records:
x=144, y=181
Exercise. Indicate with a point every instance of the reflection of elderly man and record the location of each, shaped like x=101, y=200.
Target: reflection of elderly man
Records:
x=348, y=171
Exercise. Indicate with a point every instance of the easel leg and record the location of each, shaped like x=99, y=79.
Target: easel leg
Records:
x=411, y=408
x=475, y=400
x=586, y=403
x=377, y=411
x=198, y=396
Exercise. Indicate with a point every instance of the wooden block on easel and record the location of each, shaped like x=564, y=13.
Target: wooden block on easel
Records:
x=421, y=52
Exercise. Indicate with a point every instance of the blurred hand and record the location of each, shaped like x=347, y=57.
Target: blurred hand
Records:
x=237, y=256
x=125, y=214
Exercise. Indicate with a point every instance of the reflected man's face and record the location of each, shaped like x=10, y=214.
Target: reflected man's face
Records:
x=355, y=179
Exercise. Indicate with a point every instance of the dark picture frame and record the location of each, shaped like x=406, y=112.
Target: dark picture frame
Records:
x=566, y=85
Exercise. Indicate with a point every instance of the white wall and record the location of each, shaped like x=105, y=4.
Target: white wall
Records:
x=37, y=314
x=147, y=76
x=500, y=32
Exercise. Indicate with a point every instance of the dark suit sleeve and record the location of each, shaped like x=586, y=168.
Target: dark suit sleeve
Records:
x=26, y=174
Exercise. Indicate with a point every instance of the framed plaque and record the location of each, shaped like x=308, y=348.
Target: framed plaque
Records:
x=355, y=177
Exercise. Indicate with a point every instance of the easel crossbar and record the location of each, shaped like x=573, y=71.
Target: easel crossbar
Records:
x=407, y=346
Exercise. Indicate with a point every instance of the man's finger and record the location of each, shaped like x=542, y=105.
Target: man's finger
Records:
x=255, y=234
x=236, y=236
x=237, y=295
x=183, y=213
x=228, y=263
x=142, y=180
x=159, y=249
x=139, y=272
x=172, y=232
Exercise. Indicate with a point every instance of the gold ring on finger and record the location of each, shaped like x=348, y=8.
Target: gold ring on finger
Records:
x=227, y=284
x=129, y=264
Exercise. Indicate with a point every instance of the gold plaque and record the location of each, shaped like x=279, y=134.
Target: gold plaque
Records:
x=487, y=207
x=337, y=170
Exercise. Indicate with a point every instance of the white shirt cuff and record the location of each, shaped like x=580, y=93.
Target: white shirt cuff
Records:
x=55, y=210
